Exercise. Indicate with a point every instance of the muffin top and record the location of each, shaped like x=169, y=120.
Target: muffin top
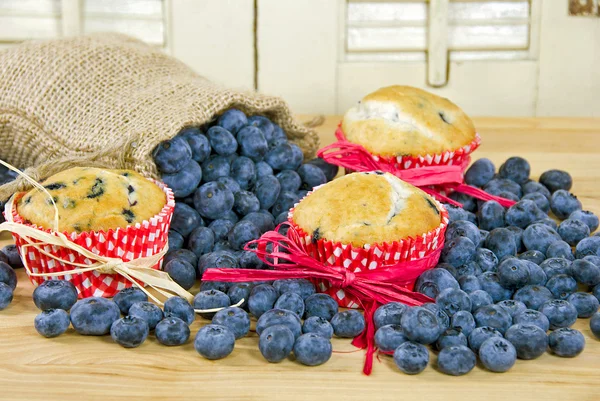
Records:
x=93, y=199
x=402, y=120
x=367, y=208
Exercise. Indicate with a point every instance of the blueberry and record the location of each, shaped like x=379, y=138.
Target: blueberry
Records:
x=52, y=322
x=234, y=318
x=490, y=215
x=183, y=254
x=458, y=251
x=311, y=175
x=536, y=273
x=556, y=180
x=480, y=298
x=560, y=313
x=533, y=296
x=497, y=354
x=534, y=317
x=589, y=218
x=560, y=249
x=451, y=337
x=55, y=294
x=420, y=325
x=221, y=228
x=513, y=273
x=534, y=256
x=348, y=324
x=182, y=272
x=330, y=170
x=176, y=240
x=312, y=349
x=231, y=184
x=595, y=324
x=319, y=326
x=276, y=343
x=469, y=283
x=250, y=260
x=554, y=266
x=232, y=120
x=242, y=233
x=262, y=298
x=442, y=318
x=12, y=254
x=456, y=360
x=585, y=272
x=245, y=202
x=185, y=181
x=490, y=283
x=512, y=306
x=263, y=169
x=211, y=299
x=480, y=172
x=431, y=282
x=300, y=286
x=321, y=305
x=456, y=213
x=172, y=331
x=94, y=316
x=563, y=203
x=170, y=156
x=539, y=237
x=493, y=316
x=263, y=221
x=588, y=246
x=127, y=297
x=8, y=275
x=292, y=302
x=6, y=295
x=390, y=313
x=185, y=219
x=585, y=303
x=523, y=213
x=389, y=337
x=284, y=157
x=462, y=228
x=289, y=180
x=500, y=185
x=239, y=291
x=222, y=141
x=411, y=358
x=197, y=142
x=215, y=167
x=267, y=191
x=222, y=259
x=566, y=342
x=486, y=259
x=463, y=321
x=468, y=202
x=532, y=187
x=278, y=137
x=516, y=169
x=540, y=201
x=252, y=143
x=180, y=308
x=285, y=202
x=214, y=341
x=529, y=340
x=452, y=300
x=130, y=331
x=501, y=242
x=480, y=335
x=213, y=199
x=264, y=124
x=243, y=171
x=151, y=313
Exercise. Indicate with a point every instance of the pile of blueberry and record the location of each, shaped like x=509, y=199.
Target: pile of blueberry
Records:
x=233, y=180
x=507, y=277
x=9, y=260
x=279, y=308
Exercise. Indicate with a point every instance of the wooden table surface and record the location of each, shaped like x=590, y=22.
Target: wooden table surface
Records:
x=74, y=367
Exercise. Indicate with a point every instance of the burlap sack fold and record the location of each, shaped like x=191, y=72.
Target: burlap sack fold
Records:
x=107, y=100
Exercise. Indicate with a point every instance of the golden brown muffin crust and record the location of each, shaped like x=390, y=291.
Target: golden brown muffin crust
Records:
x=92, y=199
x=367, y=208
x=402, y=120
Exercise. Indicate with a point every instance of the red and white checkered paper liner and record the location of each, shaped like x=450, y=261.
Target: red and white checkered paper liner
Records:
x=449, y=157
x=140, y=240
x=371, y=257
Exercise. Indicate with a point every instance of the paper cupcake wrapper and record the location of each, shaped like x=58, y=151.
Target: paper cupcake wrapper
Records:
x=449, y=157
x=371, y=257
x=140, y=240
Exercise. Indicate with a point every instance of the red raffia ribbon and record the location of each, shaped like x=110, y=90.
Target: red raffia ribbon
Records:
x=451, y=177
x=371, y=288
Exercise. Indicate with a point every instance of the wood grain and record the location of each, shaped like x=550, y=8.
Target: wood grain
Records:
x=73, y=367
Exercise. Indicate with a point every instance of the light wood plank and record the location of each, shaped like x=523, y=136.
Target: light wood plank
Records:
x=437, y=43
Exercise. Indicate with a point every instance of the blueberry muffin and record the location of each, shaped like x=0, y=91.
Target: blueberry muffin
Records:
x=367, y=208
x=93, y=199
x=402, y=120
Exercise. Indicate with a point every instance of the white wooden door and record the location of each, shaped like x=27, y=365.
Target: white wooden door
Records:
x=493, y=58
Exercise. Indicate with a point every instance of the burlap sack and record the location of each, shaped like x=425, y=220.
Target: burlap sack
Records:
x=107, y=100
